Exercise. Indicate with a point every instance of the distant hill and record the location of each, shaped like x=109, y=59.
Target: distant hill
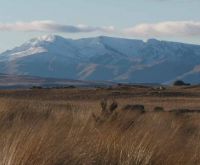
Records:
x=15, y=81
x=104, y=59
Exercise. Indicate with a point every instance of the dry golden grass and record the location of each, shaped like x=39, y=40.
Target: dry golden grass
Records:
x=37, y=128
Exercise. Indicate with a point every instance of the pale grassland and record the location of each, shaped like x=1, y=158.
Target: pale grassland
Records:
x=37, y=131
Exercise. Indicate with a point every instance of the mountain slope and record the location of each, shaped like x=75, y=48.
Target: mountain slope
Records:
x=104, y=58
x=24, y=82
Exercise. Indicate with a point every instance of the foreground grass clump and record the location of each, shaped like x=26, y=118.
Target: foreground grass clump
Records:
x=37, y=133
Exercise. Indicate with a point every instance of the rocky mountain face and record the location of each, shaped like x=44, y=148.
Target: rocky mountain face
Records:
x=104, y=59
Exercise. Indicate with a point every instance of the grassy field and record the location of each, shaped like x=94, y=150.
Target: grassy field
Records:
x=123, y=125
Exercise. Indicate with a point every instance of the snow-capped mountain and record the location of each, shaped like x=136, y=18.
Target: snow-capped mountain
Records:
x=105, y=59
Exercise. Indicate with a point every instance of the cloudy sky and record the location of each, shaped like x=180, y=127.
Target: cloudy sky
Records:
x=175, y=20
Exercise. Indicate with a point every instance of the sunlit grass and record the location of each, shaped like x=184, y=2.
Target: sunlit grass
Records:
x=37, y=133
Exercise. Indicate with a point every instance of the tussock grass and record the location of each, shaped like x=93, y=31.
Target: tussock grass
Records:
x=35, y=132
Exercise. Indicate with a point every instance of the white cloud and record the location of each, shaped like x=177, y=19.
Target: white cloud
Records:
x=169, y=29
x=50, y=26
x=165, y=29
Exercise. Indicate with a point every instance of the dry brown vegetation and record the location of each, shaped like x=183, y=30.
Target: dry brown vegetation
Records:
x=126, y=125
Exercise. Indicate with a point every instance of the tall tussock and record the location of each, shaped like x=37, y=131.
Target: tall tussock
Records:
x=34, y=134
x=108, y=112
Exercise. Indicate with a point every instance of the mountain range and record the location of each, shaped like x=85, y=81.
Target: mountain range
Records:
x=104, y=59
x=27, y=82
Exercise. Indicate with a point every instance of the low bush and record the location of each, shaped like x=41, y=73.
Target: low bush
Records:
x=136, y=107
x=180, y=83
x=159, y=109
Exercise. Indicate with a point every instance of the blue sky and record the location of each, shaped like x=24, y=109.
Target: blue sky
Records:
x=177, y=20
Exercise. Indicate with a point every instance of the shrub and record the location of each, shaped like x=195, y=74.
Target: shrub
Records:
x=159, y=109
x=180, y=83
x=36, y=87
x=136, y=107
x=179, y=111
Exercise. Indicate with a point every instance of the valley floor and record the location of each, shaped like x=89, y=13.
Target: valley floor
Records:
x=120, y=125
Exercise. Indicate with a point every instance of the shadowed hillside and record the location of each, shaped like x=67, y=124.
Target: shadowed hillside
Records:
x=104, y=59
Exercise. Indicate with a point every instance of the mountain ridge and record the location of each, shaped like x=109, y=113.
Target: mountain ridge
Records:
x=104, y=59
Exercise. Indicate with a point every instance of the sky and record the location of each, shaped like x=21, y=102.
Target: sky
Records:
x=174, y=20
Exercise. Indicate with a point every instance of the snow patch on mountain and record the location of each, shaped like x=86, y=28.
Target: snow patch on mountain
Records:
x=47, y=38
x=41, y=39
x=28, y=52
